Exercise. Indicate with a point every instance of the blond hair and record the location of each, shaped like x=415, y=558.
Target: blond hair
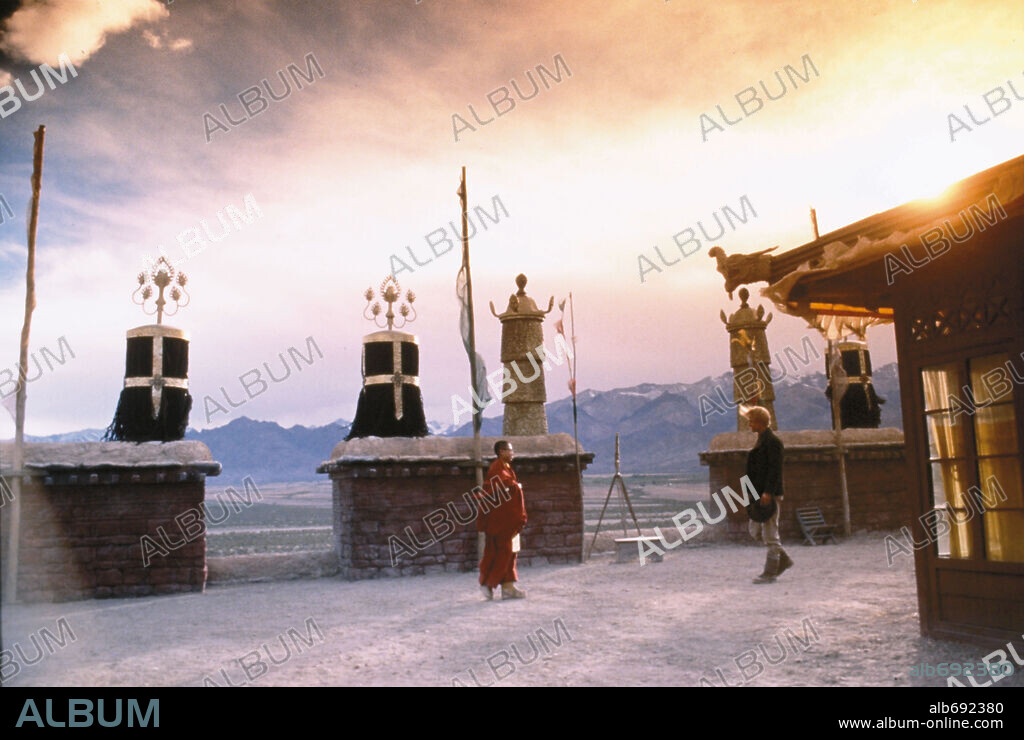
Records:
x=760, y=412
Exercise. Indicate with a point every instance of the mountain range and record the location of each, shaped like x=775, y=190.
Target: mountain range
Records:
x=659, y=426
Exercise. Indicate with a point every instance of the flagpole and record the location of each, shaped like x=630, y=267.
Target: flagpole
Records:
x=10, y=591
x=477, y=458
x=837, y=425
x=575, y=423
x=837, y=428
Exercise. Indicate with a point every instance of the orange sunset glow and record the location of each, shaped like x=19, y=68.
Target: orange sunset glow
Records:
x=594, y=170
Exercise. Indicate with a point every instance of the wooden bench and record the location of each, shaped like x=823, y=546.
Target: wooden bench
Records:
x=812, y=523
x=627, y=549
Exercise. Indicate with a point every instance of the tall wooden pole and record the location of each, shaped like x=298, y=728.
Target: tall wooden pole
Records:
x=835, y=365
x=575, y=426
x=478, y=472
x=477, y=411
x=837, y=424
x=10, y=592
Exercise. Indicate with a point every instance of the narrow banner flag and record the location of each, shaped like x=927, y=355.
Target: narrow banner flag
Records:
x=466, y=310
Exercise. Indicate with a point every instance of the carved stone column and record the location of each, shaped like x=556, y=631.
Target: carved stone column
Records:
x=749, y=357
x=522, y=339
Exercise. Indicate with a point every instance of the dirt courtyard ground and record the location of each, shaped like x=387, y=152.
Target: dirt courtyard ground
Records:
x=839, y=618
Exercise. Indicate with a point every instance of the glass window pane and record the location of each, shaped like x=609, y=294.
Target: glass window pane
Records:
x=990, y=379
x=944, y=545
x=1005, y=491
x=939, y=382
x=958, y=541
x=945, y=438
x=964, y=481
x=995, y=430
x=949, y=481
x=1004, y=535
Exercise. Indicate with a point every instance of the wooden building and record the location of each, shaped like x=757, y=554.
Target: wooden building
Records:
x=949, y=271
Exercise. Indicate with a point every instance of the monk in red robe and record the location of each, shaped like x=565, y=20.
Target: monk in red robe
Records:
x=501, y=524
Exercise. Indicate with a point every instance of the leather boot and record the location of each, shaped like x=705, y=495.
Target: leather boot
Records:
x=771, y=569
x=785, y=563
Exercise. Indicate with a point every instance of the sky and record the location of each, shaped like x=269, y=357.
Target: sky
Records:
x=593, y=170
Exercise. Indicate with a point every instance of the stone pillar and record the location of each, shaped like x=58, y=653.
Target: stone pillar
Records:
x=522, y=354
x=749, y=357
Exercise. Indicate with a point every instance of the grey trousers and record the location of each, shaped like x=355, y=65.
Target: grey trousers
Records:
x=768, y=532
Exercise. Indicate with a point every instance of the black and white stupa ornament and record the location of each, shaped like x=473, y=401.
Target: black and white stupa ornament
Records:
x=390, y=403
x=859, y=405
x=155, y=402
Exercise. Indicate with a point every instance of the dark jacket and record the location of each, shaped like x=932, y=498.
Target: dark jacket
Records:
x=764, y=464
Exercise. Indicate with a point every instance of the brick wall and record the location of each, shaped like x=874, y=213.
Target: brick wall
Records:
x=875, y=481
x=81, y=535
x=375, y=502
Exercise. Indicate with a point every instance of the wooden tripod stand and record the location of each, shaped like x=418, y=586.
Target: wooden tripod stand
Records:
x=617, y=478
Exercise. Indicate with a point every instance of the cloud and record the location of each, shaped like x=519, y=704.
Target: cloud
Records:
x=41, y=30
x=152, y=39
x=157, y=41
x=357, y=166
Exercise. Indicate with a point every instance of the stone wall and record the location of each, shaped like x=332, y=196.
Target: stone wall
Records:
x=401, y=506
x=875, y=471
x=84, y=509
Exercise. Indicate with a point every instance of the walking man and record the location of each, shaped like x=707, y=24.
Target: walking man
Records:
x=502, y=526
x=764, y=468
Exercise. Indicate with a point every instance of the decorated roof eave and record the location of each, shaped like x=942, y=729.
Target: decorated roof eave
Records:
x=956, y=197
x=805, y=281
x=855, y=290
x=806, y=309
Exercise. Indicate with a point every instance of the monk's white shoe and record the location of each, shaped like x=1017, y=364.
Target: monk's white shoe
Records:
x=487, y=592
x=511, y=592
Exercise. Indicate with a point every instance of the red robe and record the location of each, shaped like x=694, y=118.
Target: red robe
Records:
x=501, y=524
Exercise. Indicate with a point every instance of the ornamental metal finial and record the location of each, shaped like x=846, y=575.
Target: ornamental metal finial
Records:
x=161, y=274
x=391, y=292
x=520, y=303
